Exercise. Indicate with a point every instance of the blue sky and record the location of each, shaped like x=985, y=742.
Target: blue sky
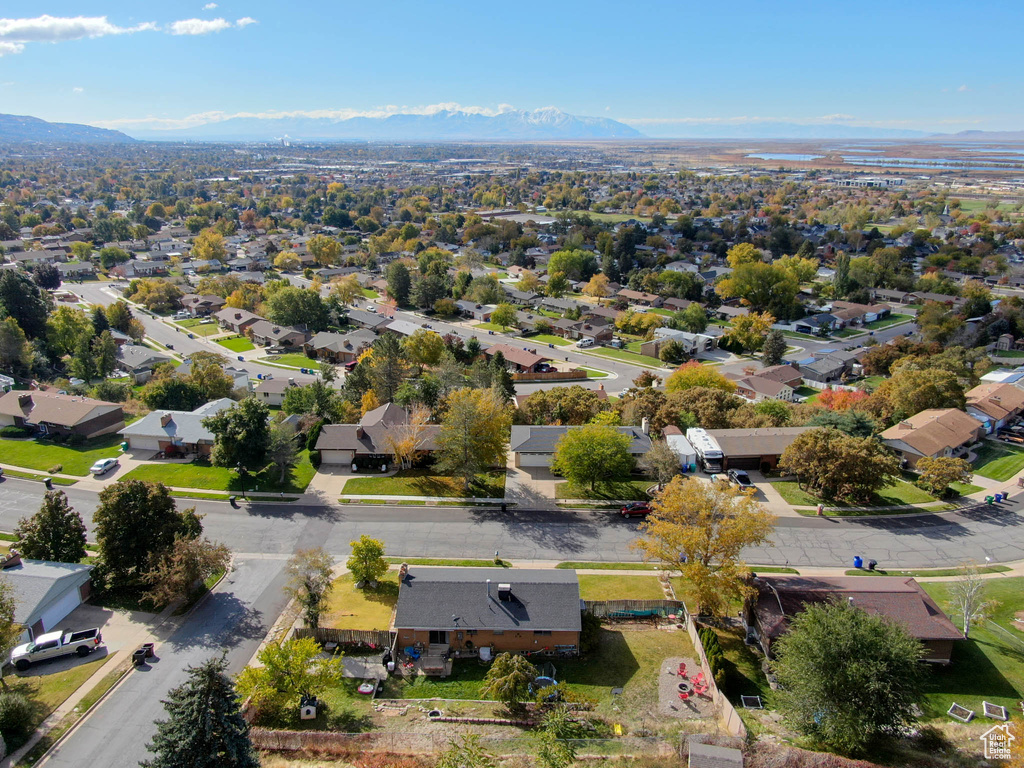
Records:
x=659, y=66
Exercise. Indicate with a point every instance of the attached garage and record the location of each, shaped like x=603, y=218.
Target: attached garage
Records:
x=534, y=446
x=45, y=593
x=533, y=459
x=140, y=443
x=336, y=457
x=754, y=448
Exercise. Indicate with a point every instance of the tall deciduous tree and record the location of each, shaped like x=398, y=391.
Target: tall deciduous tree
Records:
x=367, y=562
x=105, y=351
x=937, y=474
x=592, y=453
x=407, y=440
x=180, y=571
x=846, y=676
x=241, y=435
x=289, y=671
x=701, y=529
x=967, y=596
x=310, y=581
x=693, y=374
x=55, y=533
x=750, y=331
x=504, y=315
x=474, y=433
x=834, y=465
x=466, y=751
x=135, y=521
x=325, y=250
x=660, y=463
x=10, y=630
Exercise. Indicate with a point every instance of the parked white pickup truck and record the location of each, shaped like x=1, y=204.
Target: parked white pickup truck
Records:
x=54, y=644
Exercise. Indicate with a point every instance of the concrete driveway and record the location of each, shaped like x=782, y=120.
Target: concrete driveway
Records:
x=529, y=487
x=120, y=629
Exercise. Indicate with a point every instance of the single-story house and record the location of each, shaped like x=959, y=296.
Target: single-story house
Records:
x=521, y=360
x=526, y=298
x=369, y=320
x=934, y=432
x=339, y=347
x=758, y=448
x=75, y=270
x=467, y=609
x=44, y=592
x=642, y=298
x=201, y=306
x=866, y=313
x=829, y=366
x=139, y=361
x=55, y=414
x=272, y=391
x=693, y=343
x=235, y=319
x=481, y=312
x=900, y=600
x=758, y=388
x=676, y=305
x=812, y=324
x=534, y=446
x=136, y=268
x=995, y=405
x=401, y=328
x=269, y=334
x=367, y=443
x=178, y=433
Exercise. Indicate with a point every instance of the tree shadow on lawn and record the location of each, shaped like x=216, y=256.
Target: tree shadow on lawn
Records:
x=612, y=665
x=429, y=484
x=971, y=678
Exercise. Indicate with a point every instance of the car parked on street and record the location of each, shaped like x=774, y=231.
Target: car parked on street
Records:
x=636, y=509
x=103, y=466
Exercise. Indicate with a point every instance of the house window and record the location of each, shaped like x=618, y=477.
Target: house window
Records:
x=498, y=632
x=542, y=633
x=471, y=632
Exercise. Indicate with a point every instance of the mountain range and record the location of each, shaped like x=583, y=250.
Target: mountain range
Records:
x=20, y=128
x=446, y=125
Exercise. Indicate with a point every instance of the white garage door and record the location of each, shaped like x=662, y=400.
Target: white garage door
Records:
x=144, y=443
x=335, y=457
x=53, y=615
x=534, y=459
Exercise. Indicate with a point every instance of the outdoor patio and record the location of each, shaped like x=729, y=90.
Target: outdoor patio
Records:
x=671, y=685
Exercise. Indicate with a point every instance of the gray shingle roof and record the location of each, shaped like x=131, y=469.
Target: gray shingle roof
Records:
x=38, y=584
x=547, y=600
x=534, y=439
x=183, y=426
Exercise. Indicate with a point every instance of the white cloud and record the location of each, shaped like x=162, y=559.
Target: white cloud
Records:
x=245, y=21
x=6, y=49
x=963, y=88
x=838, y=116
x=209, y=6
x=203, y=118
x=198, y=26
x=53, y=29
x=78, y=89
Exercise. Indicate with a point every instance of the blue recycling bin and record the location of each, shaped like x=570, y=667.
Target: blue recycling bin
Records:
x=858, y=561
x=999, y=498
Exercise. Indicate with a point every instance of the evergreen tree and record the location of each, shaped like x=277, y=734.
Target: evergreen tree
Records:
x=21, y=299
x=55, y=533
x=387, y=367
x=83, y=364
x=105, y=350
x=501, y=379
x=205, y=728
x=774, y=348
x=99, y=320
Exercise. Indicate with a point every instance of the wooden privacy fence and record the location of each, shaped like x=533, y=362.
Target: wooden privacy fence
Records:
x=726, y=711
x=575, y=374
x=380, y=638
x=628, y=609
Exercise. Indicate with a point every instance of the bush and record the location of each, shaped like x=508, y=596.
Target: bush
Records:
x=931, y=739
x=12, y=431
x=15, y=715
x=55, y=469
x=314, y=459
x=76, y=440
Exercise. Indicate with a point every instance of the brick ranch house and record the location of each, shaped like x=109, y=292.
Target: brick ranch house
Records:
x=55, y=414
x=468, y=609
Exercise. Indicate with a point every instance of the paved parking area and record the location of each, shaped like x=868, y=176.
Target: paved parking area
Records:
x=529, y=487
x=120, y=629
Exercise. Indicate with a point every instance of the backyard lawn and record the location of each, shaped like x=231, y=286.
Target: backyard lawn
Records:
x=202, y=475
x=44, y=454
x=990, y=665
x=237, y=344
x=900, y=494
x=998, y=462
x=292, y=359
x=627, y=659
x=422, y=482
x=885, y=322
x=626, y=490
x=547, y=338
x=601, y=587
x=351, y=608
x=195, y=325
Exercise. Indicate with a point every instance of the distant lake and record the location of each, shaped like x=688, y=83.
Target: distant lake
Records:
x=785, y=156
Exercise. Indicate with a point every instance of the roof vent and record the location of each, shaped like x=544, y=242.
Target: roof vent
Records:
x=165, y=419
x=505, y=592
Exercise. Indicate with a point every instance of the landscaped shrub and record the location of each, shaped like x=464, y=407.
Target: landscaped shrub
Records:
x=315, y=459
x=55, y=468
x=12, y=431
x=15, y=715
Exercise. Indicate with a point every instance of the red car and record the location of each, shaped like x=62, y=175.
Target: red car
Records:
x=636, y=509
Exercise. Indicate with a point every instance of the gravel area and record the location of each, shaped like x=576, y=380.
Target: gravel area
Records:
x=669, y=703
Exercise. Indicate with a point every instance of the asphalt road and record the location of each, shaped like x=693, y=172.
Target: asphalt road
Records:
x=915, y=541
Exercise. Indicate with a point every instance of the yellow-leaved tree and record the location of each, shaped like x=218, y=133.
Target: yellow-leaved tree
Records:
x=701, y=529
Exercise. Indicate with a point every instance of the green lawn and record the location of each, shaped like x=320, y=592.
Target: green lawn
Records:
x=625, y=659
x=422, y=482
x=581, y=566
x=369, y=293
x=237, y=344
x=990, y=665
x=38, y=477
x=1007, y=353
x=885, y=322
x=900, y=494
x=351, y=608
x=195, y=326
x=611, y=218
x=46, y=692
x=965, y=489
x=847, y=332
x=594, y=373
x=998, y=462
x=547, y=338
x=292, y=359
x=43, y=454
x=871, y=382
x=626, y=357
x=803, y=391
x=202, y=475
x=593, y=587
x=925, y=573
x=491, y=327
x=743, y=675
x=449, y=563
x=612, y=489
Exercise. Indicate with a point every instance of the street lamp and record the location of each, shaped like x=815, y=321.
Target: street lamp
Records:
x=242, y=472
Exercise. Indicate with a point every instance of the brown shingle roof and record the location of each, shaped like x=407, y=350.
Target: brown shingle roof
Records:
x=934, y=430
x=66, y=410
x=369, y=436
x=996, y=400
